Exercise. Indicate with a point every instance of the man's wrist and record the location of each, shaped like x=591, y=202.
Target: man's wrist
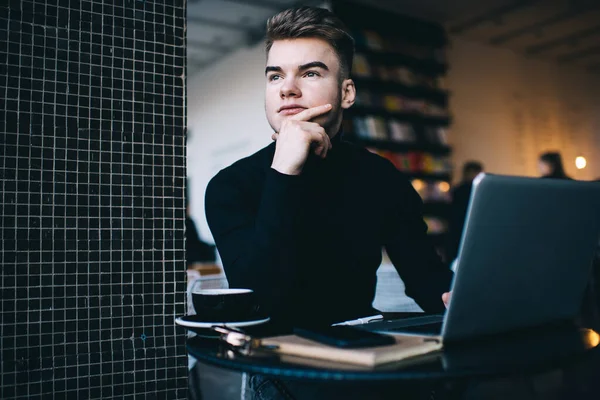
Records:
x=286, y=170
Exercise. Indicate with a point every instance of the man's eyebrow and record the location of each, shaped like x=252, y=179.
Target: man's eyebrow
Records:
x=313, y=64
x=303, y=67
x=272, y=69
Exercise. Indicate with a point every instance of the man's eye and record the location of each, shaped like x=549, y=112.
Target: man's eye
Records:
x=311, y=74
x=273, y=77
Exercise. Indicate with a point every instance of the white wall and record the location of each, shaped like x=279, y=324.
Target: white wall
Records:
x=226, y=121
x=507, y=109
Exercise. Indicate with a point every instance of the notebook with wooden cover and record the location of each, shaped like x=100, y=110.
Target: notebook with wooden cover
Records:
x=406, y=346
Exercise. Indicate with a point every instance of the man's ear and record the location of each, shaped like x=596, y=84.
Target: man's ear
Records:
x=348, y=93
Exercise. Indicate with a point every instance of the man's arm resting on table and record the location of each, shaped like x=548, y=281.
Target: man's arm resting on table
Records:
x=411, y=251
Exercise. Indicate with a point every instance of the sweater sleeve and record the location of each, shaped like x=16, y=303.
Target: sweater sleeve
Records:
x=257, y=246
x=411, y=251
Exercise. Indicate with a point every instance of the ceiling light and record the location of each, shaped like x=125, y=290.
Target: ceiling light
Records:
x=580, y=162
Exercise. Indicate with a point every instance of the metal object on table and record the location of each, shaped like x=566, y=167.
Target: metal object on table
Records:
x=235, y=342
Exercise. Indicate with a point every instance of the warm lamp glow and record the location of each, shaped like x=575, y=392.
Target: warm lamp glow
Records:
x=417, y=184
x=444, y=187
x=580, y=162
x=591, y=338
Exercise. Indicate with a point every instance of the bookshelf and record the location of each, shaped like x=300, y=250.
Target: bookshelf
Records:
x=397, y=58
x=397, y=146
x=415, y=91
x=412, y=117
x=401, y=111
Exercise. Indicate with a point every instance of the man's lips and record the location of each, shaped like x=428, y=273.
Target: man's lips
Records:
x=291, y=109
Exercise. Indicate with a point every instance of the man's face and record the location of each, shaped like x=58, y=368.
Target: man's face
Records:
x=544, y=168
x=303, y=73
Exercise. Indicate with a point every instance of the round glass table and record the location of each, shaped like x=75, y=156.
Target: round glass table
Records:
x=519, y=353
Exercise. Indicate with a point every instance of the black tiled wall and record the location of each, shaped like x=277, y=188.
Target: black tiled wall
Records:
x=92, y=164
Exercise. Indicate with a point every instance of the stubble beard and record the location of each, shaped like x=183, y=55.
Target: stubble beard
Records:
x=331, y=121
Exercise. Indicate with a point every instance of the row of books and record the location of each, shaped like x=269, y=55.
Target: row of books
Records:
x=401, y=104
x=375, y=42
x=363, y=68
x=379, y=128
x=416, y=161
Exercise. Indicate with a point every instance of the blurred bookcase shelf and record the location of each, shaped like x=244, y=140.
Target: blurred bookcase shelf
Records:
x=423, y=92
x=401, y=110
x=403, y=147
x=404, y=116
x=425, y=66
x=428, y=176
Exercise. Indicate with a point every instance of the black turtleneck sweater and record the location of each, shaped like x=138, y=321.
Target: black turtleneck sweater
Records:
x=310, y=245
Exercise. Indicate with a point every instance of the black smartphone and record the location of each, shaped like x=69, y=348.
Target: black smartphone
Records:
x=344, y=336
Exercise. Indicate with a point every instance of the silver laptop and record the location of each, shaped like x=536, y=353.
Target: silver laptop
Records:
x=524, y=260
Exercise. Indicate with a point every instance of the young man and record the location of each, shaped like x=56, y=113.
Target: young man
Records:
x=302, y=221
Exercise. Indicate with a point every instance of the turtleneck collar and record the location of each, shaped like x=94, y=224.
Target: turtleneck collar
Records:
x=315, y=165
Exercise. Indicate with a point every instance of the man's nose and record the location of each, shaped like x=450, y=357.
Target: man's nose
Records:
x=290, y=89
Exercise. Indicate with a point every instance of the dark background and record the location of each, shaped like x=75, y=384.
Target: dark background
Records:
x=92, y=170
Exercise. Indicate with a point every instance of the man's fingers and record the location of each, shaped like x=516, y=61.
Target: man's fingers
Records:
x=446, y=298
x=320, y=143
x=326, y=142
x=321, y=151
x=313, y=133
x=310, y=113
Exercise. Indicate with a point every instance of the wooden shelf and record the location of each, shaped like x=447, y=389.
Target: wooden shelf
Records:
x=401, y=147
x=399, y=115
x=420, y=92
x=426, y=67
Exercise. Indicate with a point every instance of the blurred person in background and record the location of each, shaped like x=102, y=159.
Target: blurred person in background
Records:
x=458, y=207
x=550, y=165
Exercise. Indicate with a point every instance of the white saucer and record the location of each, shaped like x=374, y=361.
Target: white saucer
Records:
x=182, y=321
